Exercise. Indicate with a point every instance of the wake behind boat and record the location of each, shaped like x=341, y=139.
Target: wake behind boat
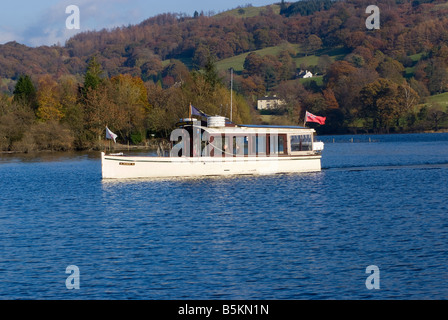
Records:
x=217, y=147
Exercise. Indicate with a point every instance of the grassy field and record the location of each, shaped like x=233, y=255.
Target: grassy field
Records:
x=409, y=71
x=307, y=60
x=319, y=80
x=440, y=99
x=237, y=62
x=416, y=57
x=5, y=82
x=277, y=120
x=186, y=61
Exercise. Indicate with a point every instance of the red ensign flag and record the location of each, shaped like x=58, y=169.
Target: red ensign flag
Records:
x=309, y=117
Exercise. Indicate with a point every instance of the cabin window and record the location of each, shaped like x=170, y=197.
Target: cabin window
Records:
x=302, y=142
x=246, y=145
x=277, y=144
x=222, y=146
x=282, y=144
x=258, y=145
x=227, y=146
x=240, y=145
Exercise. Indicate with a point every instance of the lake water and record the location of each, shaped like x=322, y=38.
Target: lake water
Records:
x=298, y=236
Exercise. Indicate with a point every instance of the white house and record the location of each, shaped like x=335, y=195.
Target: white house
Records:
x=305, y=74
x=269, y=103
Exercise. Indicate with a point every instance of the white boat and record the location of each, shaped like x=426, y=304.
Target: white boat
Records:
x=220, y=148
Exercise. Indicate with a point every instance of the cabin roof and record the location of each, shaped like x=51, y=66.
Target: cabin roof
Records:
x=241, y=129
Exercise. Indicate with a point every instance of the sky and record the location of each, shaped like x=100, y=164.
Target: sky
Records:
x=44, y=22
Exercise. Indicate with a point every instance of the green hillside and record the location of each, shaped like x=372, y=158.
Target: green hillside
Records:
x=237, y=62
x=440, y=99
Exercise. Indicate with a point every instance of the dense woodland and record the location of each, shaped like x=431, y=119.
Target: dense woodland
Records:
x=139, y=80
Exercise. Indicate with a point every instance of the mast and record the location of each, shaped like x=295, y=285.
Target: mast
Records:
x=231, y=93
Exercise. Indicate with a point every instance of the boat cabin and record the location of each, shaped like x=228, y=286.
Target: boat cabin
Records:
x=217, y=137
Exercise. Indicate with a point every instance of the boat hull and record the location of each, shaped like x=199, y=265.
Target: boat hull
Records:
x=125, y=167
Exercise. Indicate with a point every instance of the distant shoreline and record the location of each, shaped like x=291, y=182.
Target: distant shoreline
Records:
x=118, y=147
x=153, y=147
x=390, y=133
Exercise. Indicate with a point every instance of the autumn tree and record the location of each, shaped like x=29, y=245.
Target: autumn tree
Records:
x=346, y=81
x=288, y=66
x=15, y=120
x=253, y=64
x=167, y=107
x=311, y=44
x=380, y=103
x=129, y=97
x=174, y=73
x=119, y=103
x=201, y=56
x=99, y=111
x=437, y=71
x=48, y=100
x=164, y=112
x=252, y=86
x=436, y=114
x=262, y=38
x=338, y=71
x=330, y=99
x=294, y=94
x=73, y=109
x=151, y=68
x=391, y=69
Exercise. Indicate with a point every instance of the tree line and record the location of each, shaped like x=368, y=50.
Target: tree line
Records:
x=65, y=114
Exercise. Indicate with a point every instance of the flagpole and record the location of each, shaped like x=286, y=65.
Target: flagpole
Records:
x=105, y=143
x=107, y=139
x=231, y=93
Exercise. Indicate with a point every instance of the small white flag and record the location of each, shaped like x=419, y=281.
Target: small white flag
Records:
x=110, y=135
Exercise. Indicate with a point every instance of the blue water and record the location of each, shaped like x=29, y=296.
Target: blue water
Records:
x=298, y=236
